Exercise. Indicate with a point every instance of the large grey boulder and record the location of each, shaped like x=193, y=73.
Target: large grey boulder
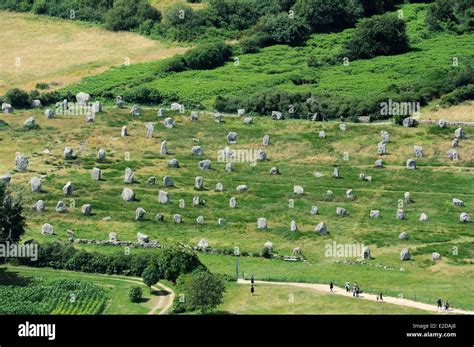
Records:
x=262, y=223
x=7, y=108
x=82, y=98
x=248, y=120
x=35, y=184
x=341, y=211
x=61, y=207
x=298, y=190
x=39, y=206
x=274, y=171
x=314, y=210
x=405, y=254
x=442, y=123
x=197, y=150
x=459, y=133
x=241, y=188
x=464, y=218
x=21, y=162
x=378, y=163
x=86, y=209
x=261, y=155
x=403, y=235
x=128, y=194
x=173, y=163
x=49, y=113
x=140, y=214
x=167, y=181
x=68, y=153
x=163, y=197
x=142, y=238
x=321, y=228
x=458, y=202
x=268, y=245
x=232, y=137
x=47, y=229
x=204, y=164
x=401, y=214
x=169, y=123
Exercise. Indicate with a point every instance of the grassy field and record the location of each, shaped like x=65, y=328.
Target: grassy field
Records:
x=303, y=159
x=163, y=4
x=46, y=49
x=281, y=66
x=116, y=288
x=459, y=113
x=289, y=300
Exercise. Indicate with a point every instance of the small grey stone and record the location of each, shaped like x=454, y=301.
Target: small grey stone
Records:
x=68, y=189
x=405, y=254
x=232, y=137
x=167, y=181
x=128, y=175
x=314, y=210
x=61, y=207
x=128, y=194
x=21, y=162
x=321, y=228
x=374, y=214
x=298, y=190
x=241, y=188
x=178, y=219
x=96, y=174
x=204, y=164
x=197, y=150
x=86, y=209
x=163, y=197
x=173, y=163
x=35, y=184
x=140, y=214
x=411, y=164
x=233, y=202
x=142, y=238
x=403, y=236
x=262, y=223
x=199, y=182
x=340, y=211
x=68, y=153
x=47, y=229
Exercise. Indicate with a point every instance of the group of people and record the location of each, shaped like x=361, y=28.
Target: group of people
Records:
x=441, y=306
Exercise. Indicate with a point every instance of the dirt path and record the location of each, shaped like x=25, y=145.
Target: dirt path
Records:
x=364, y=296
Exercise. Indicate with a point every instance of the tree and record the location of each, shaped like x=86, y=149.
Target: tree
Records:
x=18, y=98
x=453, y=15
x=284, y=29
x=135, y=294
x=327, y=15
x=202, y=291
x=176, y=260
x=129, y=14
x=378, y=35
x=12, y=222
x=151, y=275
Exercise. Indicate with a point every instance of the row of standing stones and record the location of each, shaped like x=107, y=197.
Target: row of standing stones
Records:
x=21, y=163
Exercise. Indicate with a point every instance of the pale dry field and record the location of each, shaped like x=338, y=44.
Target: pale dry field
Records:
x=461, y=113
x=45, y=49
x=162, y=4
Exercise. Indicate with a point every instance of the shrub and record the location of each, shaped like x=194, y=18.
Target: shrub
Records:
x=142, y=95
x=207, y=56
x=282, y=29
x=18, y=98
x=379, y=35
x=266, y=253
x=135, y=294
x=202, y=290
x=12, y=222
x=176, y=260
x=129, y=14
x=452, y=15
x=151, y=275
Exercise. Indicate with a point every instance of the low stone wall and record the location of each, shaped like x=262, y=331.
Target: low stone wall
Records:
x=449, y=123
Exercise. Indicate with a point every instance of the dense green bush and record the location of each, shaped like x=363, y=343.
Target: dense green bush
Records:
x=129, y=14
x=135, y=294
x=151, y=275
x=379, y=35
x=453, y=15
x=206, y=56
x=142, y=95
x=175, y=261
x=12, y=222
x=282, y=29
x=18, y=98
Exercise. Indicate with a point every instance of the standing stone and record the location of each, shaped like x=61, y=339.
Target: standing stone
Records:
x=266, y=140
x=82, y=98
x=268, y=245
x=385, y=136
x=199, y=182
x=221, y=221
x=366, y=253
x=248, y=120
x=423, y=217
x=96, y=174
x=30, y=123
x=277, y=115
x=261, y=155
x=219, y=187
x=194, y=116
x=411, y=164
x=173, y=163
x=151, y=180
x=21, y=162
x=298, y=190
x=343, y=127
x=128, y=176
x=405, y=254
x=124, y=131
x=150, y=127
x=335, y=172
x=169, y=123
x=407, y=197
x=241, y=189
x=159, y=113
x=49, y=113
x=378, y=163
x=86, y=209
x=140, y=214
x=435, y=256
x=197, y=150
x=167, y=181
x=197, y=201
x=112, y=237
x=164, y=148
x=464, y=218
x=322, y=134
x=200, y=220
x=350, y=194
x=39, y=206
x=89, y=117
x=135, y=111
x=101, y=155
x=403, y=236
x=142, y=238
x=442, y=123
x=96, y=107
x=409, y=122
x=228, y=167
x=163, y=197
x=459, y=133
x=293, y=226
x=7, y=108
x=68, y=153
x=455, y=143
x=47, y=229
x=401, y=214
x=314, y=210
x=274, y=171
x=418, y=151
x=128, y=194
x=232, y=137
x=175, y=106
x=159, y=217
x=321, y=228
x=382, y=148
x=233, y=202
x=262, y=223
x=68, y=189
x=453, y=154
x=218, y=117
x=341, y=211
x=374, y=214
x=204, y=164
x=329, y=194
x=61, y=207
x=458, y=202
x=35, y=184
x=178, y=219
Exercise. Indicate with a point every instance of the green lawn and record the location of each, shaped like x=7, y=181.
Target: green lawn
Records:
x=269, y=299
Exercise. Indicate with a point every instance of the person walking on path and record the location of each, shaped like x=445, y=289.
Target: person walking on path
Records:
x=446, y=305
x=252, y=279
x=252, y=290
x=348, y=287
x=331, y=286
x=380, y=297
x=440, y=304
